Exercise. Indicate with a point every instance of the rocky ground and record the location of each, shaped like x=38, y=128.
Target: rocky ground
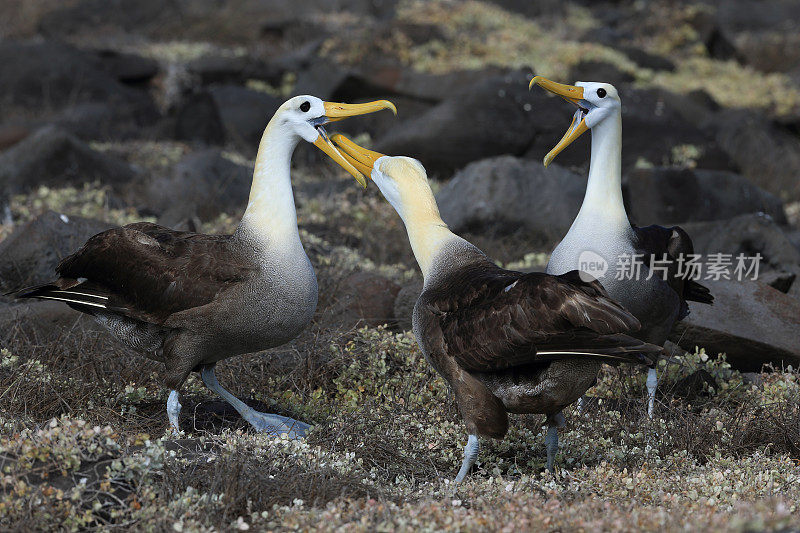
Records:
x=119, y=112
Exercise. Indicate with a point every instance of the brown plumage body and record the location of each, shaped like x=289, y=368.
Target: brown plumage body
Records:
x=187, y=299
x=508, y=342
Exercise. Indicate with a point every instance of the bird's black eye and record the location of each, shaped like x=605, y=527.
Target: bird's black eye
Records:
x=601, y=92
x=305, y=106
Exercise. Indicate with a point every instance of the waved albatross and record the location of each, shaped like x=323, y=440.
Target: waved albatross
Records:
x=190, y=300
x=505, y=342
x=602, y=235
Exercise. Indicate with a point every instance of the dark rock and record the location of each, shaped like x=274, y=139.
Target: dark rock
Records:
x=321, y=78
x=779, y=280
x=100, y=16
x=197, y=119
x=533, y=9
x=492, y=117
x=675, y=195
x=53, y=157
x=767, y=154
x=719, y=46
x=235, y=70
x=695, y=385
x=12, y=134
x=366, y=299
x=753, y=378
x=769, y=51
x=32, y=252
x=46, y=75
x=654, y=122
x=512, y=193
x=748, y=235
x=753, y=15
x=404, y=303
x=127, y=68
x=751, y=322
x=647, y=60
x=104, y=120
x=244, y=112
x=591, y=70
x=204, y=184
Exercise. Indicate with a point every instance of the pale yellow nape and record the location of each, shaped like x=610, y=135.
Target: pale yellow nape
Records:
x=416, y=205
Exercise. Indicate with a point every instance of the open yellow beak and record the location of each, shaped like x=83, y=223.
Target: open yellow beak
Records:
x=570, y=93
x=359, y=157
x=337, y=111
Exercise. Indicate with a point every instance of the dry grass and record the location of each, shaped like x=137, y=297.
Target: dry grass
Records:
x=386, y=441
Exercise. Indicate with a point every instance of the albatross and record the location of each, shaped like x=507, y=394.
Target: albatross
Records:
x=190, y=300
x=505, y=341
x=602, y=236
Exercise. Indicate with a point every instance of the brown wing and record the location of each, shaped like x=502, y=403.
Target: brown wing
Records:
x=150, y=272
x=493, y=319
x=656, y=242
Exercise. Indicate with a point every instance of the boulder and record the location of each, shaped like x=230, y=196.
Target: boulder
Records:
x=762, y=35
x=751, y=322
x=31, y=253
x=233, y=70
x=41, y=76
x=674, y=195
x=492, y=117
x=130, y=69
x=99, y=16
x=53, y=157
x=749, y=235
x=654, y=123
x=768, y=155
x=512, y=193
x=647, y=60
x=102, y=120
x=404, y=303
x=593, y=70
x=695, y=385
x=366, y=299
x=204, y=184
x=244, y=112
x=197, y=119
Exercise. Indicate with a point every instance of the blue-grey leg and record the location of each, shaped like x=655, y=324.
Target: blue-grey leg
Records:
x=269, y=423
x=652, y=383
x=173, y=409
x=470, y=455
x=551, y=439
x=580, y=404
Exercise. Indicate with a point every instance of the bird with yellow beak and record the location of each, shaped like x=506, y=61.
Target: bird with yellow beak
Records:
x=505, y=341
x=190, y=300
x=602, y=242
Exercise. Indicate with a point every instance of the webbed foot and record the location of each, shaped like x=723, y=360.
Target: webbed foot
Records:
x=276, y=424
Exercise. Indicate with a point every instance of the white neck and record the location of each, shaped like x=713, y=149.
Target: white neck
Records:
x=603, y=198
x=270, y=215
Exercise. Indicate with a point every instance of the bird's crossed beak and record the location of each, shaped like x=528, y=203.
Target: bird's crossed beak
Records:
x=336, y=111
x=573, y=94
x=358, y=156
